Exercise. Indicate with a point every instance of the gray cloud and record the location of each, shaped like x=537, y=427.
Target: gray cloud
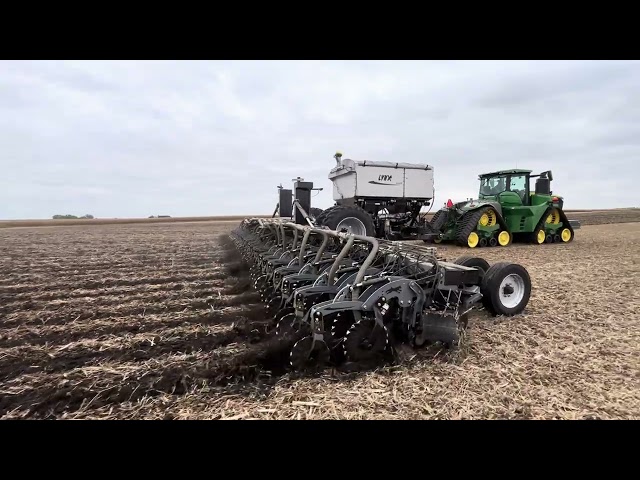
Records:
x=129, y=138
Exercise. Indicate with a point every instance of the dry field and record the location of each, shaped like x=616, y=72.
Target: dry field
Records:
x=157, y=321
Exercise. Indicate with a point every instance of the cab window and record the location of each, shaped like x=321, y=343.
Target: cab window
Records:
x=518, y=184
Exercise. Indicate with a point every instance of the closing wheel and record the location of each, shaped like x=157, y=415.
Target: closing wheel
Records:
x=506, y=289
x=287, y=325
x=366, y=340
x=566, y=235
x=504, y=238
x=473, y=239
x=273, y=305
x=307, y=354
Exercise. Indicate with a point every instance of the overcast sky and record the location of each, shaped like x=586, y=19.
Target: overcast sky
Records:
x=140, y=138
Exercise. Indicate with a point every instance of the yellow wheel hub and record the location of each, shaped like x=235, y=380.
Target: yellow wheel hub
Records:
x=503, y=238
x=541, y=236
x=565, y=235
x=488, y=219
x=437, y=240
x=554, y=217
x=473, y=240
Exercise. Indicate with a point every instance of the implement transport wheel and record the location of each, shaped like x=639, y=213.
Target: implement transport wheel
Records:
x=315, y=212
x=506, y=289
x=350, y=219
x=477, y=262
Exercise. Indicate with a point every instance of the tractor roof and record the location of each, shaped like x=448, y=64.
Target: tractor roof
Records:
x=504, y=172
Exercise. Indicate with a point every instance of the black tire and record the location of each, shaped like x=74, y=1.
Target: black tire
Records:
x=320, y=218
x=469, y=261
x=490, y=288
x=315, y=212
x=336, y=214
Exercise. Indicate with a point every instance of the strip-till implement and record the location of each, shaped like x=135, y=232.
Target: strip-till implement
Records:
x=352, y=298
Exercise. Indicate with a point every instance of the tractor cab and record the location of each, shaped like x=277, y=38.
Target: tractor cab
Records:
x=511, y=187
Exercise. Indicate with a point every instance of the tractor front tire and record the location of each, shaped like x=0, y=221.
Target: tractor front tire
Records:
x=349, y=218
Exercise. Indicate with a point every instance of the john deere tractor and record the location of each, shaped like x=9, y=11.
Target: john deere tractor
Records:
x=506, y=211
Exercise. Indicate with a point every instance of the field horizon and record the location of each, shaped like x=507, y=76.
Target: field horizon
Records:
x=624, y=211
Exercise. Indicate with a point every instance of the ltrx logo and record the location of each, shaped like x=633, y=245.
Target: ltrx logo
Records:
x=384, y=178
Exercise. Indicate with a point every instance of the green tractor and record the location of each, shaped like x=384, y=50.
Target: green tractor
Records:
x=506, y=211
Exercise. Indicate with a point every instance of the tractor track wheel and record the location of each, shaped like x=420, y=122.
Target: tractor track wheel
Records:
x=566, y=235
x=506, y=289
x=477, y=262
x=538, y=236
x=350, y=218
x=504, y=238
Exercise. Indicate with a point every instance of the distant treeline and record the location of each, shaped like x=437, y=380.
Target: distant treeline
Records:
x=70, y=217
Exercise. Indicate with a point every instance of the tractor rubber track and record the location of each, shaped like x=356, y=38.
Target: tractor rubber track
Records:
x=469, y=222
x=531, y=237
x=439, y=220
